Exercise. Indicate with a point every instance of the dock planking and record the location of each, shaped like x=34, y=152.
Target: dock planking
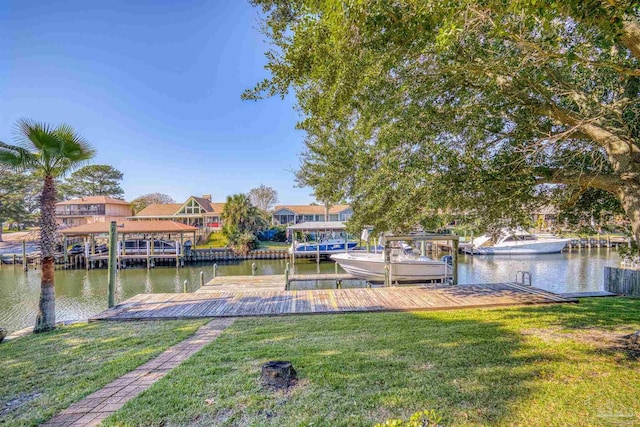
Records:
x=225, y=303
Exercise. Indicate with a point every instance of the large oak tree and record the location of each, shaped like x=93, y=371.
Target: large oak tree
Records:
x=417, y=107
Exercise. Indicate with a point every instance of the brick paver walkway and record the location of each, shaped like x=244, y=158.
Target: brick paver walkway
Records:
x=91, y=410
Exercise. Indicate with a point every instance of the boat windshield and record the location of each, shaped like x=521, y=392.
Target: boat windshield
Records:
x=519, y=238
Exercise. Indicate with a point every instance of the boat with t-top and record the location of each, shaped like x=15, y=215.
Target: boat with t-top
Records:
x=514, y=242
x=402, y=266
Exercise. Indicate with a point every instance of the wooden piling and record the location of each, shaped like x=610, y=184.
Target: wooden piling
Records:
x=24, y=255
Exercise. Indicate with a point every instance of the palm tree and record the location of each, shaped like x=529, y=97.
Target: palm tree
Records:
x=241, y=220
x=50, y=152
x=241, y=214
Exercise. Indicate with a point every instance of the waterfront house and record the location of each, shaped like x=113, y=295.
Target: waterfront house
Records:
x=91, y=209
x=199, y=212
x=295, y=214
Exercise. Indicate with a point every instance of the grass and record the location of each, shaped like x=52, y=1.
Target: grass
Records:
x=273, y=245
x=44, y=373
x=534, y=366
x=216, y=240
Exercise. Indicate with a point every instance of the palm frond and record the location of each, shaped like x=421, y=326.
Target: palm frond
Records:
x=52, y=151
x=32, y=135
x=16, y=157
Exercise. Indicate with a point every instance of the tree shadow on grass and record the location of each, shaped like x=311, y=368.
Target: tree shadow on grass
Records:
x=603, y=312
x=44, y=373
x=354, y=369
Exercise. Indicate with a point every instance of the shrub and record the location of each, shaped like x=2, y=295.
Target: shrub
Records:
x=419, y=419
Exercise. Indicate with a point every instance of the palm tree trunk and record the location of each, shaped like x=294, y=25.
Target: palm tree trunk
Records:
x=46, y=319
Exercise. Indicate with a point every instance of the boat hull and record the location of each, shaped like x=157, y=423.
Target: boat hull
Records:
x=522, y=248
x=371, y=267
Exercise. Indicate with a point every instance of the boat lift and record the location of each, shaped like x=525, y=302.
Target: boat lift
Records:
x=318, y=227
x=422, y=238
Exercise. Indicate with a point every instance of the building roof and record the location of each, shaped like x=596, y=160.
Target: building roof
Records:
x=312, y=209
x=160, y=209
x=127, y=226
x=171, y=209
x=217, y=207
x=205, y=203
x=91, y=200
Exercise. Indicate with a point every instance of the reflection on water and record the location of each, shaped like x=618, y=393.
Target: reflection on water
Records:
x=576, y=271
x=81, y=293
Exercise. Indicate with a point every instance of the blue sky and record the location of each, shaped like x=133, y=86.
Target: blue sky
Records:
x=155, y=86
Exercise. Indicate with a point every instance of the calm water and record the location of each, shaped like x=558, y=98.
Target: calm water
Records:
x=81, y=293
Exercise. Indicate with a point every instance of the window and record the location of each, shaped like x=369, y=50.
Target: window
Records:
x=192, y=208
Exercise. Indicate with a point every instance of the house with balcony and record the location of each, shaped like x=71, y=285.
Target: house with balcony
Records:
x=87, y=210
x=199, y=212
x=295, y=214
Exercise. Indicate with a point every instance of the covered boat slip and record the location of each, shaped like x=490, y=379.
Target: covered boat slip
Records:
x=329, y=301
x=390, y=263
x=399, y=263
x=329, y=237
x=146, y=237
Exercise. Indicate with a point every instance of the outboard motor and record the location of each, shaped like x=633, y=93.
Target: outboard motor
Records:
x=448, y=259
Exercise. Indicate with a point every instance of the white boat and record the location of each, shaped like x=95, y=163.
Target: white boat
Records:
x=403, y=268
x=517, y=242
x=324, y=246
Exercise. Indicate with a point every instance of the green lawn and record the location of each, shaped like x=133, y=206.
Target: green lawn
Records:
x=274, y=245
x=44, y=373
x=216, y=240
x=530, y=366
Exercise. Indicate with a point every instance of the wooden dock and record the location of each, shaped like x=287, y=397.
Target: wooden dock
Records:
x=329, y=301
x=272, y=282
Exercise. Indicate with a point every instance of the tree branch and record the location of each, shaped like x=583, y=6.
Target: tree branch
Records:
x=610, y=183
x=631, y=37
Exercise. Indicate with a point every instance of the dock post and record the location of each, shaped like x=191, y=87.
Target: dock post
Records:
x=152, y=251
x=286, y=278
x=215, y=270
x=111, y=265
x=253, y=268
x=65, y=251
x=455, y=261
x=336, y=267
x=387, y=265
x=24, y=255
x=184, y=286
x=92, y=242
x=201, y=278
x=86, y=253
x=146, y=243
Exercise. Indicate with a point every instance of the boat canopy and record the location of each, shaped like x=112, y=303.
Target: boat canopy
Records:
x=318, y=226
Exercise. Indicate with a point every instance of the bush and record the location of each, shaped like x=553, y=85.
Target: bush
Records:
x=242, y=243
x=419, y=419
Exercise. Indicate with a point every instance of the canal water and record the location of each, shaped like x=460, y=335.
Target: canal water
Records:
x=81, y=294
